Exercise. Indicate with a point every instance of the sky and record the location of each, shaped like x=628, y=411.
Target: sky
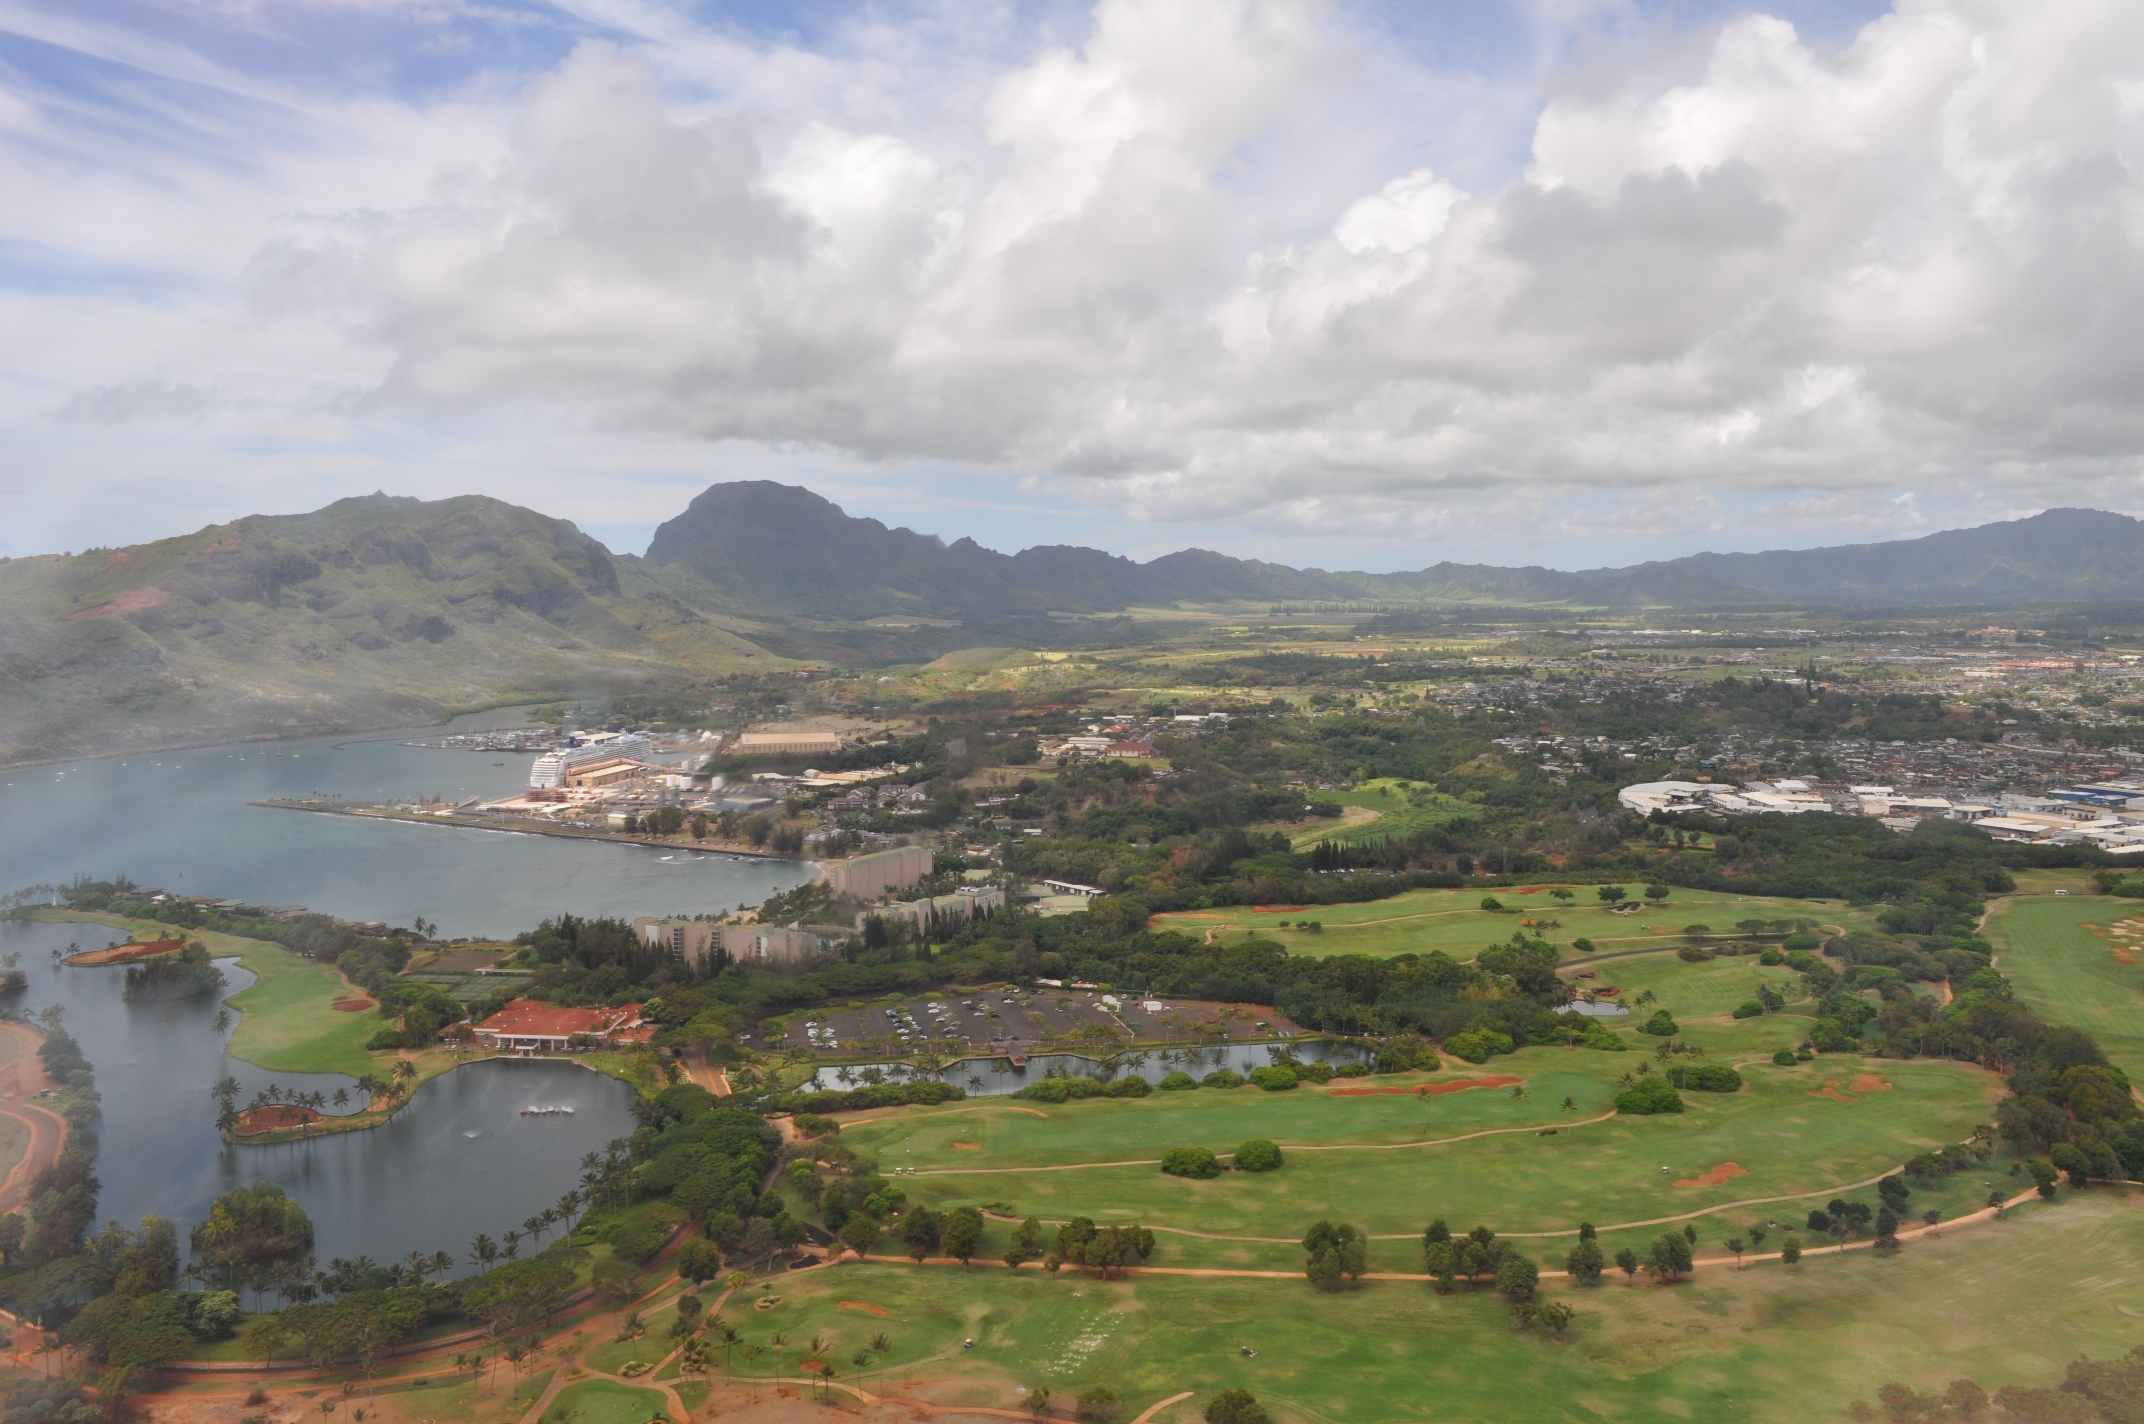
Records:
x=1342, y=283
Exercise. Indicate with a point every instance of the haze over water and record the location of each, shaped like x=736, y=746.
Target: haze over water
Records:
x=181, y=821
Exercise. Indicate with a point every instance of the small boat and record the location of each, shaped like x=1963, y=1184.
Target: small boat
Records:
x=547, y=1111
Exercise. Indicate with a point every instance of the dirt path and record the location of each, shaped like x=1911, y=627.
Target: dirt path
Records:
x=47, y=1129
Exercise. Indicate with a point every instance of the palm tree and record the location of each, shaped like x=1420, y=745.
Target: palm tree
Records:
x=568, y=1206
x=416, y=1266
x=342, y=1097
x=818, y=1348
x=880, y=1344
x=534, y=1226
x=751, y=1360
x=442, y=1262
x=482, y=1252
x=860, y=1359
x=775, y=1342
x=404, y=1070
x=512, y=1242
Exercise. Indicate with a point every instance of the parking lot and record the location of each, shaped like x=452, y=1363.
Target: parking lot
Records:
x=1005, y=1020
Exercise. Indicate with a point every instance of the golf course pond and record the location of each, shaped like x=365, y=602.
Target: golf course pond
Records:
x=991, y=1076
x=459, y=1159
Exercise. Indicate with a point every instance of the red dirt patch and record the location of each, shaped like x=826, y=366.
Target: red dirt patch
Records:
x=967, y=1147
x=1717, y=1177
x=1430, y=1090
x=1831, y=1090
x=351, y=1006
x=132, y=601
x=863, y=1306
x=269, y=1118
x=126, y=953
x=118, y=559
x=1870, y=1083
x=2123, y=956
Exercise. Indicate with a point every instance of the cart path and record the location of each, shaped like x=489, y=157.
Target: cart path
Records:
x=47, y=1129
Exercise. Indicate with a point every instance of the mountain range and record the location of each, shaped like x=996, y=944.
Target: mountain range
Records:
x=380, y=611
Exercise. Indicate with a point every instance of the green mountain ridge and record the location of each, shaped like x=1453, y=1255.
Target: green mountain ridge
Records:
x=379, y=611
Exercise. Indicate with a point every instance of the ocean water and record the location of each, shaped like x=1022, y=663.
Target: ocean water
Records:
x=181, y=821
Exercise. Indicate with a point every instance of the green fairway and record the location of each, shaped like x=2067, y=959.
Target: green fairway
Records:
x=1349, y=1158
x=1454, y=922
x=1761, y=1345
x=1693, y=991
x=2067, y=958
x=286, y=1019
x=605, y=1402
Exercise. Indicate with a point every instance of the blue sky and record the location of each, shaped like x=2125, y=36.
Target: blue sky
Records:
x=1574, y=282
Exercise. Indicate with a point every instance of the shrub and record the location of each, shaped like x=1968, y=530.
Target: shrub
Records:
x=1258, y=1155
x=1195, y=1162
x=1650, y=1097
x=635, y=1241
x=1705, y=1078
x=1693, y=954
x=1785, y=1058
x=1475, y=1045
x=1277, y=1078
x=1223, y=1078
x=384, y=1039
x=1129, y=1086
x=1352, y=1070
x=882, y=1095
x=813, y=1125
x=1315, y=1072
x=1800, y=941
x=1491, y=904
x=1178, y=1083
x=1771, y=957
x=1584, y=946
x=1661, y=1025
x=1749, y=1009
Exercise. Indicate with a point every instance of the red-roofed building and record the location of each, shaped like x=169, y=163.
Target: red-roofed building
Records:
x=530, y=1026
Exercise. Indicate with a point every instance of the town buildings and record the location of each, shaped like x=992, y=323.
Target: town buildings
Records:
x=529, y=1026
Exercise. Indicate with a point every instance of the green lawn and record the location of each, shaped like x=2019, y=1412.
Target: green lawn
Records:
x=603, y=1402
x=1693, y=991
x=286, y=1023
x=2048, y=949
x=1787, y=1141
x=1453, y=920
x=1762, y=1345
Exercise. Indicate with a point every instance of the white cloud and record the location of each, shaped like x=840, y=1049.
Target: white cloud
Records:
x=1897, y=283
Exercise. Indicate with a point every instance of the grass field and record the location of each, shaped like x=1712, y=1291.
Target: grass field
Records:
x=1453, y=920
x=604, y=1402
x=1350, y=1157
x=1394, y=810
x=1694, y=991
x=1762, y=1345
x=2064, y=956
x=286, y=1022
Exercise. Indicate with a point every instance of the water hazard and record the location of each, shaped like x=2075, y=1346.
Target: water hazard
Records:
x=990, y=1076
x=460, y=1159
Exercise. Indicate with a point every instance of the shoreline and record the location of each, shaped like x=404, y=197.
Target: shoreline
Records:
x=369, y=811
x=369, y=1117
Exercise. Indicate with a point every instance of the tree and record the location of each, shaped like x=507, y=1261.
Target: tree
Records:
x=1586, y=1262
x=963, y=1232
x=1790, y=1250
x=1026, y=1238
x=1235, y=1406
x=881, y=1344
x=1437, y=1256
x=1334, y=1251
x=1656, y=893
x=1736, y=1244
x=1099, y=1403
x=2072, y=1163
x=1560, y=895
x=1517, y=1276
x=859, y=1233
x=1669, y=1257
x=1555, y=1316
x=698, y=1261
x=1035, y=1399
x=921, y=1232
x=1258, y=1155
x=1610, y=894
x=2043, y=1177
x=12, y=1230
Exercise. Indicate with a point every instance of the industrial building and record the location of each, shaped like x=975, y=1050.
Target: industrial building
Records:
x=788, y=744
x=554, y=769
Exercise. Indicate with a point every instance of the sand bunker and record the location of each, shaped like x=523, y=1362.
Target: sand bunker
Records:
x=126, y=953
x=276, y=1115
x=1429, y=1090
x=863, y=1306
x=1870, y=1083
x=351, y=1006
x=1717, y=1177
x=967, y=1147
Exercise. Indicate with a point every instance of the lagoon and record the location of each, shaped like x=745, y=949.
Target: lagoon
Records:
x=459, y=1159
